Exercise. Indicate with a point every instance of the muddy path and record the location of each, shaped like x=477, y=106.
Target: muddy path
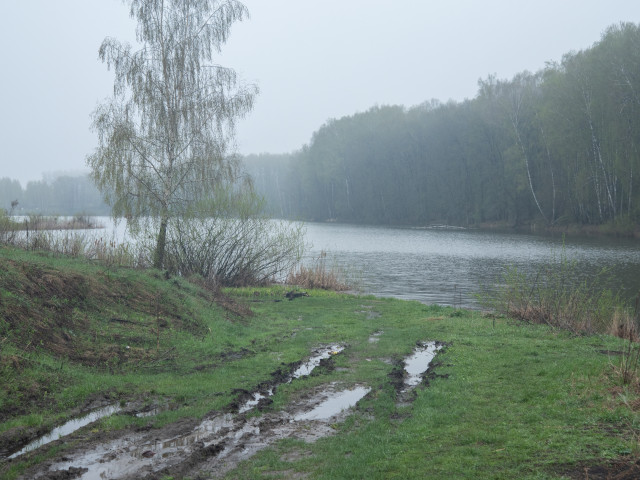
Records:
x=217, y=443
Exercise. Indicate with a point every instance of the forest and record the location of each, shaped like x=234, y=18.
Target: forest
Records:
x=551, y=148
x=555, y=148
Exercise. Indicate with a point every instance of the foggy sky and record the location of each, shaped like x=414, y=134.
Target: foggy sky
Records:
x=312, y=59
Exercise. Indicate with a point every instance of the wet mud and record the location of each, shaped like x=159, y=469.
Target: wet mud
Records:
x=217, y=443
x=68, y=428
x=414, y=370
x=621, y=469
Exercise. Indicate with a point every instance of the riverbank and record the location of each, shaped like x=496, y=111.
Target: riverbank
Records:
x=35, y=223
x=615, y=230
x=500, y=400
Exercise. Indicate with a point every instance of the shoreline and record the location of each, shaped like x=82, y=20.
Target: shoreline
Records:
x=45, y=222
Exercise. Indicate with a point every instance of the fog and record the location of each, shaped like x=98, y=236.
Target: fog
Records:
x=312, y=60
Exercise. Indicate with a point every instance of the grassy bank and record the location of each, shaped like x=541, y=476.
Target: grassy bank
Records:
x=504, y=400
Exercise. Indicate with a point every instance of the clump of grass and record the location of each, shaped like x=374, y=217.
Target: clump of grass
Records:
x=555, y=296
x=319, y=275
x=107, y=252
x=68, y=238
x=630, y=360
x=8, y=227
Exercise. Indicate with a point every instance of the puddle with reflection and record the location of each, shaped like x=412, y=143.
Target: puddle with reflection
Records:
x=240, y=436
x=302, y=371
x=307, y=367
x=418, y=363
x=375, y=337
x=335, y=404
x=68, y=428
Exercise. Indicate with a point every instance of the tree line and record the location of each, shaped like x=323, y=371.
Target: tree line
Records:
x=61, y=195
x=559, y=146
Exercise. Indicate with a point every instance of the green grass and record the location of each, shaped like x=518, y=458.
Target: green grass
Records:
x=506, y=400
x=517, y=402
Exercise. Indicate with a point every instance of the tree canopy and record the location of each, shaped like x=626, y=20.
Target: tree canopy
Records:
x=165, y=135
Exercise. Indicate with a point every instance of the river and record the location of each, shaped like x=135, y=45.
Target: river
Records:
x=451, y=266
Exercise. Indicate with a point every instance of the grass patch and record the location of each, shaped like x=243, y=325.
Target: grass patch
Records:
x=505, y=399
x=557, y=296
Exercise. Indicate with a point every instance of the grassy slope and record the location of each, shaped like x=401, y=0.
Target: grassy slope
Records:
x=505, y=401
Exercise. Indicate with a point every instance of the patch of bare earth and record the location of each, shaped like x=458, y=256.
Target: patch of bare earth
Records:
x=622, y=469
x=188, y=448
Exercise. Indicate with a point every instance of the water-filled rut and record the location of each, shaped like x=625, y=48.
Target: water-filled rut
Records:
x=220, y=441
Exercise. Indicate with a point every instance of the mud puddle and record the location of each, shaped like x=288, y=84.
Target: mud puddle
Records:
x=77, y=423
x=418, y=363
x=217, y=444
x=334, y=404
x=414, y=369
x=139, y=454
x=322, y=354
x=310, y=419
x=68, y=428
x=303, y=370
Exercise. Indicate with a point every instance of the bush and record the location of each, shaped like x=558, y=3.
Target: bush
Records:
x=232, y=251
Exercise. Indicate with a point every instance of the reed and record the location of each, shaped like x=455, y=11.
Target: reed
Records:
x=319, y=275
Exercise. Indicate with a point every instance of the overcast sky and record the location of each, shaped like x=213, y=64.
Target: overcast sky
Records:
x=312, y=59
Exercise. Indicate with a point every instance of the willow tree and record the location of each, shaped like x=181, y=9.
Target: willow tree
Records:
x=165, y=136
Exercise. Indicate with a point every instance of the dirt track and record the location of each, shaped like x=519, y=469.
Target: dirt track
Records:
x=217, y=443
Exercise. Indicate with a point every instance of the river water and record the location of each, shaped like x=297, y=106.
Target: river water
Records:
x=451, y=266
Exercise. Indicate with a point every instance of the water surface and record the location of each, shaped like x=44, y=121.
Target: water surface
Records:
x=449, y=267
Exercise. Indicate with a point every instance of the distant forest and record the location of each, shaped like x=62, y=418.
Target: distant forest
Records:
x=556, y=147
x=62, y=195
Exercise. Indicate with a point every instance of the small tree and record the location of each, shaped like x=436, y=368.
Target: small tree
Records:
x=164, y=136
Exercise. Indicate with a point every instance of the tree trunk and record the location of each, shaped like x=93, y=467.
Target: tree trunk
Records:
x=158, y=255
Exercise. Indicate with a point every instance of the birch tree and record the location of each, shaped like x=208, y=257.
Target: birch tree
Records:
x=165, y=136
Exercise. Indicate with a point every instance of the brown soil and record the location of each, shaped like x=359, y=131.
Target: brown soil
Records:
x=623, y=469
x=241, y=437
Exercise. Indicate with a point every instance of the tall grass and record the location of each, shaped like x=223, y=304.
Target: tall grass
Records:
x=68, y=238
x=630, y=361
x=232, y=252
x=319, y=275
x=556, y=295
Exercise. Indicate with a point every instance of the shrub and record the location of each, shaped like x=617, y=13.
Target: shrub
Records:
x=232, y=251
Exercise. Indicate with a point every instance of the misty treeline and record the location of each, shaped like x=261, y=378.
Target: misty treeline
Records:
x=54, y=195
x=556, y=147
